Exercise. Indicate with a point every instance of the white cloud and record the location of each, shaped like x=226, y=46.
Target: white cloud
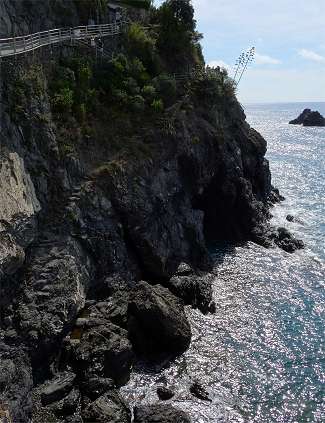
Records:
x=221, y=63
x=261, y=59
x=311, y=55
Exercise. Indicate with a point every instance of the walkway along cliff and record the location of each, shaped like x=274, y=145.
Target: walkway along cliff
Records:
x=114, y=178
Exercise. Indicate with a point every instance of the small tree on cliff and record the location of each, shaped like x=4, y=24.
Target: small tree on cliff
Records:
x=177, y=39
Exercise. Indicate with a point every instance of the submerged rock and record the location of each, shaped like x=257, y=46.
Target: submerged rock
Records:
x=285, y=240
x=160, y=414
x=157, y=322
x=165, y=393
x=290, y=218
x=198, y=391
x=309, y=118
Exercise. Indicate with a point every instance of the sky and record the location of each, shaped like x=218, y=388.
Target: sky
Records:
x=289, y=38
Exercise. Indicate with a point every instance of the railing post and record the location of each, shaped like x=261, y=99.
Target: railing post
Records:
x=15, y=47
x=24, y=44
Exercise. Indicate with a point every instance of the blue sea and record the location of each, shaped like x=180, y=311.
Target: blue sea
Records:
x=262, y=355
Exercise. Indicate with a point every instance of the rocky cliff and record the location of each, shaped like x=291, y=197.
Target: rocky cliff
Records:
x=105, y=225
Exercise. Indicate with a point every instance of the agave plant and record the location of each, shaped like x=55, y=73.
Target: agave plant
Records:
x=242, y=63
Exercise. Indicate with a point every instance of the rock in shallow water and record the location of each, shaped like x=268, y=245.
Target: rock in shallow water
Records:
x=309, y=118
x=198, y=391
x=157, y=322
x=164, y=393
x=193, y=288
x=285, y=240
x=160, y=414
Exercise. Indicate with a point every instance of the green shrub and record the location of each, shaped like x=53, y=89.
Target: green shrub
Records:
x=64, y=78
x=140, y=45
x=158, y=106
x=81, y=112
x=131, y=86
x=149, y=92
x=63, y=101
x=166, y=87
x=111, y=168
x=120, y=96
x=138, y=71
x=137, y=103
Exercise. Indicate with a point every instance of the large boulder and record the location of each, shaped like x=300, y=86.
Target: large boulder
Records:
x=55, y=287
x=194, y=288
x=58, y=388
x=107, y=408
x=160, y=413
x=157, y=322
x=103, y=351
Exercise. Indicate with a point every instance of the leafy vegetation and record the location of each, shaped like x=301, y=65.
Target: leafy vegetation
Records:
x=113, y=107
x=177, y=36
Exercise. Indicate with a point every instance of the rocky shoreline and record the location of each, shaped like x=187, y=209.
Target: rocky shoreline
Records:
x=99, y=253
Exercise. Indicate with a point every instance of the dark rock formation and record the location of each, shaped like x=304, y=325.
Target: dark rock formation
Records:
x=275, y=196
x=58, y=388
x=285, y=240
x=309, y=118
x=198, y=391
x=314, y=119
x=157, y=322
x=165, y=393
x=290, y=218
x=107, y=408
x=103, y=350
x=194, y=288
x=160, y=414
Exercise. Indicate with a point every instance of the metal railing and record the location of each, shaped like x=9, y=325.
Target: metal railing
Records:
x=18, y=45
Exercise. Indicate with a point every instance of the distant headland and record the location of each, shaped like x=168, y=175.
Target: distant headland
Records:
x=309, y=118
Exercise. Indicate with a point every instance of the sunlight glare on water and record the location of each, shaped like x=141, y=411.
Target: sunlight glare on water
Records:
x=262, y=355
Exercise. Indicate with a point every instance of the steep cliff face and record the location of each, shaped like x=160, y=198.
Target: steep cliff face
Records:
x=27, y=17
x=81, y=225
x=75, y=228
